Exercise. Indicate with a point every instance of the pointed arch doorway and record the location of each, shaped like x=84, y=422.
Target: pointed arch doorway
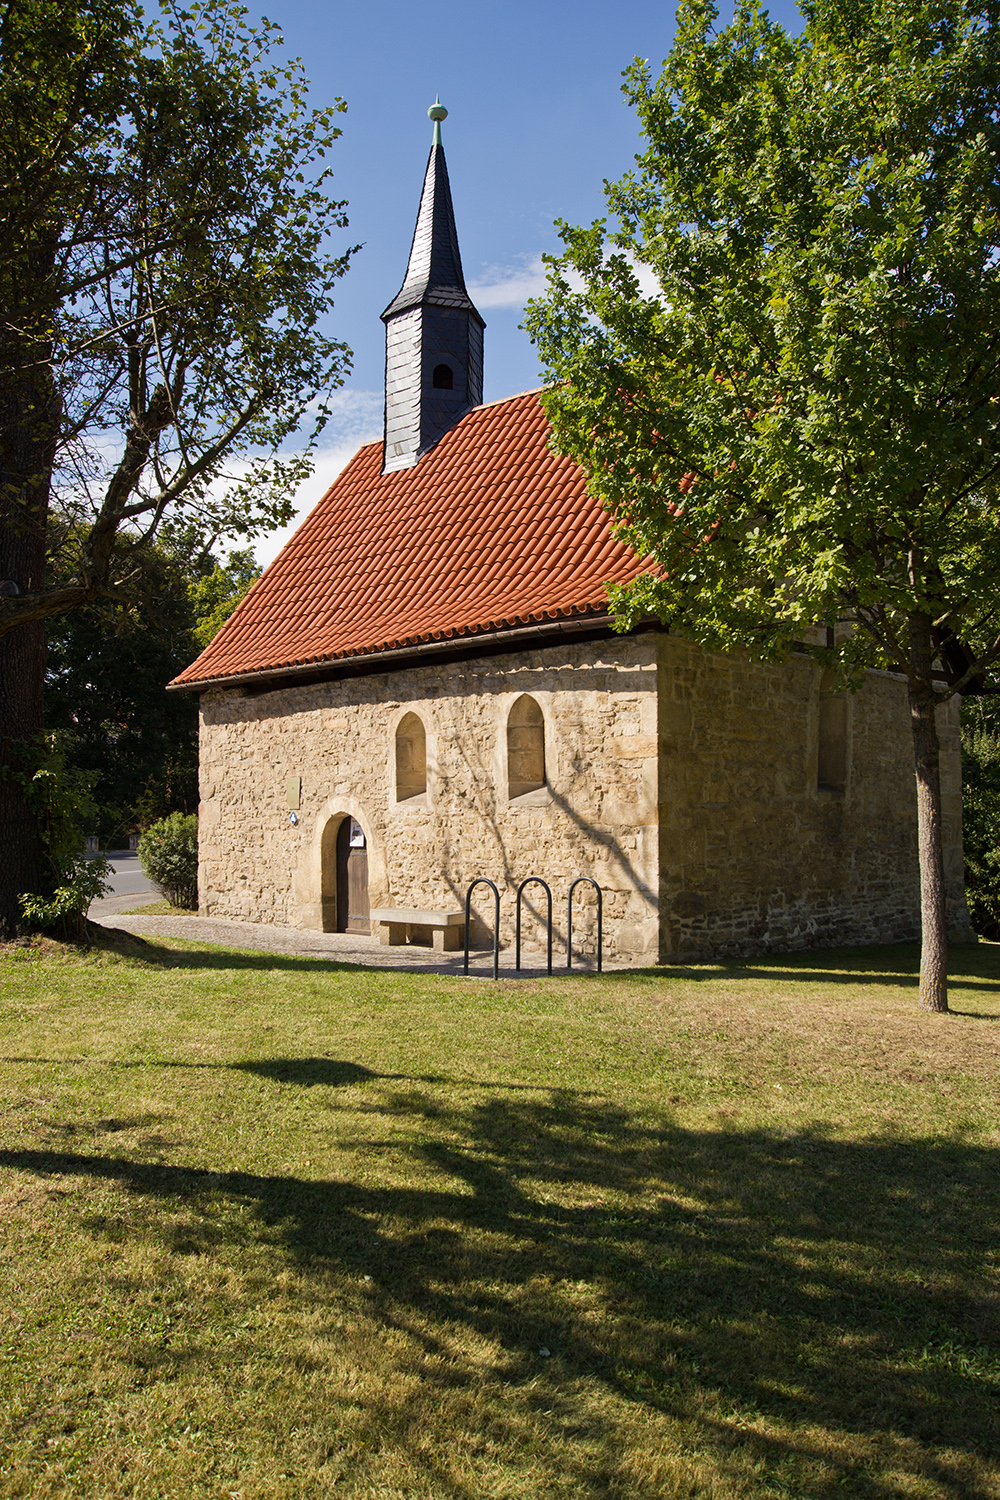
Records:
x=353, y=911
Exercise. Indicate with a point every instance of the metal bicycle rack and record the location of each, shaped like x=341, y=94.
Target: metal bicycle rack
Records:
x=481, y=880
x=583, y=880
x=533, y=880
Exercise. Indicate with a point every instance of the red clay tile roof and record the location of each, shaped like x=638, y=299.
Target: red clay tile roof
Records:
x=489, y=531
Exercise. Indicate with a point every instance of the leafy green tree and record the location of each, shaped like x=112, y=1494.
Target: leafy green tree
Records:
x=163, y=273
x=107, y=671
x=981, y=812
x=801, y=428
x=62, y=798
x=63, y=73
x=215, y=595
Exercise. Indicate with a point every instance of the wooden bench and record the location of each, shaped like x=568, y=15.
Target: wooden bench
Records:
x=397, y=925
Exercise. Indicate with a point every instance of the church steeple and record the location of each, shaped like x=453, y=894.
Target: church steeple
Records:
x=433, y=333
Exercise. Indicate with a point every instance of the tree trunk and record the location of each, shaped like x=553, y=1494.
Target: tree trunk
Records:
x=926, y=755
x=28, y=417
x=22, y=861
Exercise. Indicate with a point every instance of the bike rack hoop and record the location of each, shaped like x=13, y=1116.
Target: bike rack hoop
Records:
x=532, y=880
x=584, y=880
x=481, y=880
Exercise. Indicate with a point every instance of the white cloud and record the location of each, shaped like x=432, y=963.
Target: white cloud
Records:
x=356, y=419
x=510, y=286
x=353, y=413
x=648, y=284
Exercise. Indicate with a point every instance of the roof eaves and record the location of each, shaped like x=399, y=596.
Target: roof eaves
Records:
x=528, y=627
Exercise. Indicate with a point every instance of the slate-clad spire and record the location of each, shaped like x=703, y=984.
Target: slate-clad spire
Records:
x=433, y=333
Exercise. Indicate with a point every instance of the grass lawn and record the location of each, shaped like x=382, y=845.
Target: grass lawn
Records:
x=273, y=1226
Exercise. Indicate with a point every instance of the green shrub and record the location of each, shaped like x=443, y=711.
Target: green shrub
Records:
x=66, y=908
x=981, y=812
x=168, y=852
x=61, y=797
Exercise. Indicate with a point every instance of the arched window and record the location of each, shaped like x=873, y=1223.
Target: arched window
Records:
x=411, y=758
x=443, y=378
x=525, y=747
x=831, y=766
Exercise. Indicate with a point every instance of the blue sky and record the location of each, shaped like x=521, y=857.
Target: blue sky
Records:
x=536, y=123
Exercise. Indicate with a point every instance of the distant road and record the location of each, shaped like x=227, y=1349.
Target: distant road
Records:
x=129, y=879
x=130, y=885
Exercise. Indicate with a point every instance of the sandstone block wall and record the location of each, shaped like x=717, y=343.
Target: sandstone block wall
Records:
x=753, y=853
x=596, y=816
x=685, y=783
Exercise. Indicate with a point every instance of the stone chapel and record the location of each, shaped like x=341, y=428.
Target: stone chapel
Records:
x=425, y=687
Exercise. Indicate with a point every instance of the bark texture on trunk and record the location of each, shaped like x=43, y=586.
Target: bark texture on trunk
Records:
x=28, y=416
x=22, y=857
x=927, y=764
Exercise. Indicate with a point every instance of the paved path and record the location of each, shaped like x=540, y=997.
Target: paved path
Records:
x=341, y=947
x=108, y=905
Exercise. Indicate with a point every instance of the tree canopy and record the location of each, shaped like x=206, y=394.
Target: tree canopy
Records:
x=165, y=270
x=216, y=592
x=106, y=669
x=800, y=427
x=179, y=231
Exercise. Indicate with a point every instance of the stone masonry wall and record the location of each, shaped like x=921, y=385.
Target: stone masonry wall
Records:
x=596, y=816
x=726, y=833
x=753, y=855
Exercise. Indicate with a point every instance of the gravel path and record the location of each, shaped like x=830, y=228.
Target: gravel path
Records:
x=341, y=947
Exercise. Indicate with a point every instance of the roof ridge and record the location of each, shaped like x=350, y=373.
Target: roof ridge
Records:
x=483, y=406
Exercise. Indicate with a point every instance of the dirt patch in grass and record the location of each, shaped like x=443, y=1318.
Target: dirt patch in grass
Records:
x=279, y=1227
x=40, y=947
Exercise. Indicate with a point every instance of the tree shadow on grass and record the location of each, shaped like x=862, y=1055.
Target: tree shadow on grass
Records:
x=972, y=966
x=330, y=1072
x=809, y=1310
x=301, y=1072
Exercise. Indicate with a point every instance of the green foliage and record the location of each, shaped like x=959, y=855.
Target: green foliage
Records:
x=168, y=852
x=799, y=427
x=981, y=812
x=107, y=671
x=168, y=255
x=164, y=257
x=66, y=908
x=61, y=797
x=64, y=72
x=215, y=595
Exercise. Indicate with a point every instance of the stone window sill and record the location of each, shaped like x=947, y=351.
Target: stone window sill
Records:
x=418, y=800
x=540, y=797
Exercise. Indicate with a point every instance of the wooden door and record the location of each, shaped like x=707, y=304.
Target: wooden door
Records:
x=353, y=913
